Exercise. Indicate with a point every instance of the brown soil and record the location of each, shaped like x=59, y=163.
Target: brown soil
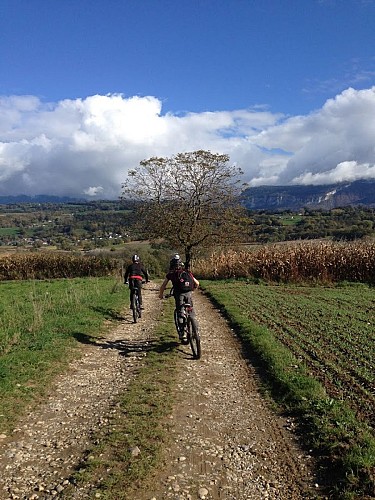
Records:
x=227, y=442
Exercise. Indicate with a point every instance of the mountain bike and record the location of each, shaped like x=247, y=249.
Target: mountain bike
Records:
x=188, y=328
x=135, y=305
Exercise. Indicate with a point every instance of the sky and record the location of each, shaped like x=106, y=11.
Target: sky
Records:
x=89, y=88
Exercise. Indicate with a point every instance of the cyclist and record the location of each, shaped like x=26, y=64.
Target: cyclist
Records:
x=134, y=275
x=183, y=283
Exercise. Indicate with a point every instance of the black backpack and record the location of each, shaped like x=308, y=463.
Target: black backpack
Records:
x=184, y=282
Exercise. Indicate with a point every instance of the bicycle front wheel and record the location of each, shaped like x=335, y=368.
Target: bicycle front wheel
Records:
x=194, y=339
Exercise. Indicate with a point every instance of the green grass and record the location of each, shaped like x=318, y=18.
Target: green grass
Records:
x=8, y=231
x=315, y=347
x=290, y=220
x=140, y=422
x=42, y=324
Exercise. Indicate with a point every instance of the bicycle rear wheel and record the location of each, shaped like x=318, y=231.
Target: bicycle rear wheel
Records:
x=176, y=321
x=139, y=311
x=135, y=306
x=194, y=339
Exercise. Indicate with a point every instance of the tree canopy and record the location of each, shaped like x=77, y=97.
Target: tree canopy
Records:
x=190, y=199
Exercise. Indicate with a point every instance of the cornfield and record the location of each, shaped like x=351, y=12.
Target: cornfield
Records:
x=54, y=265
x=319, y=261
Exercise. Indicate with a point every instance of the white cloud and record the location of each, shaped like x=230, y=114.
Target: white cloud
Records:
x=93, y=190
x=84, y=147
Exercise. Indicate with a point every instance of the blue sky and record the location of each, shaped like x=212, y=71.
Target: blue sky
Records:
x=89, y=88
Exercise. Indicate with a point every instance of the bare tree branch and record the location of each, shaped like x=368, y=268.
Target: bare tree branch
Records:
x=190, y=199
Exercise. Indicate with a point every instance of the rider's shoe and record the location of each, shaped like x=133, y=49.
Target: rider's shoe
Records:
x=182, y=336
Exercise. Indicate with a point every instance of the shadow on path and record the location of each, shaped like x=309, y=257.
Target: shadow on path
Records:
x=128, y=347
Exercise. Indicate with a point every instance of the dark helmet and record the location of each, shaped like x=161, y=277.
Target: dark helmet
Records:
x=135, y=258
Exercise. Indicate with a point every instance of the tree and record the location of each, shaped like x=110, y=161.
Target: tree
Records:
x=190, y=199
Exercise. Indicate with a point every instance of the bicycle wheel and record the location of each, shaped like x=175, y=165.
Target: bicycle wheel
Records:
x=194, y=339
x=134, y=307
x=175, y=315
x=139, y=312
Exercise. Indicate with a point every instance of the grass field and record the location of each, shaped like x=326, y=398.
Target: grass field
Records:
x=8, y=231
x=329, y=330
x=41, y=324
x=303, y=334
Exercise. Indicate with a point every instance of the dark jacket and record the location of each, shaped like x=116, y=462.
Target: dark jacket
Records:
x=136, y=271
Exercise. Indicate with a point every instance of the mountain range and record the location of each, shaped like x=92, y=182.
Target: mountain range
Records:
x=324, y=197
x=272, y=198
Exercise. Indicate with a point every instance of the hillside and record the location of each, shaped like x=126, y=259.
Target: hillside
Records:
x=276, y=198
x=325, y=197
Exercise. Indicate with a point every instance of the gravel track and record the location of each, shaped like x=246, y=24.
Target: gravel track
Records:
x=226, y=441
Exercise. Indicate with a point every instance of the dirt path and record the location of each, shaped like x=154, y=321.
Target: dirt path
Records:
x=227, y=444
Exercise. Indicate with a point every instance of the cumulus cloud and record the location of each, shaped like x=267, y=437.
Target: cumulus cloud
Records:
x=84, y=147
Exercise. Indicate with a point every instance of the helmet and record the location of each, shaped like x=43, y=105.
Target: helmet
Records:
x=175, y=261
x=135, y=258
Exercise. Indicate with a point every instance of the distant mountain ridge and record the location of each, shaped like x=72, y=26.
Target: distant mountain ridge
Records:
x=41, y=198
x=325, y=197
x=273, y=198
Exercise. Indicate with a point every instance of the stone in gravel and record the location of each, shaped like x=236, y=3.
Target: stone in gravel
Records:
x=175, y=487
x=135, y=451
x=202, y=493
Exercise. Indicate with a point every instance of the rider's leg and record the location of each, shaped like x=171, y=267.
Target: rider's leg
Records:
x=131, y=288
x=189, y=299
x=139, y=286
x=179, y=300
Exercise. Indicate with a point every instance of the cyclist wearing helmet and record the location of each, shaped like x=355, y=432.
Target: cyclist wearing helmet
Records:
x=183, y=283
x=134, y=275
x=174, y=262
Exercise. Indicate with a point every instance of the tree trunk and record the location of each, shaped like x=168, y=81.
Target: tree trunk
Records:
x=188, y=257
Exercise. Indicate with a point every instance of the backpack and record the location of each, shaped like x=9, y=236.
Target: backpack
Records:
x=184, y=282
